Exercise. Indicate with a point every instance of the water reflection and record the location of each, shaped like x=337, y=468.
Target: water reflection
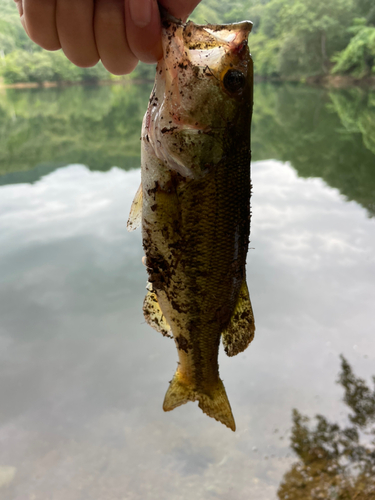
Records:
x=97, y=126
x=82, y=376
x=322, y=134
x=335, y=461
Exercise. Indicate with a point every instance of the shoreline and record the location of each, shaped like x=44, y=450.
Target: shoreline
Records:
x=342, y=81
x=327, y=81
x=64, y=84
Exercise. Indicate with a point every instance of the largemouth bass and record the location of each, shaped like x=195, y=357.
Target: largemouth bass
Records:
x=194, y=205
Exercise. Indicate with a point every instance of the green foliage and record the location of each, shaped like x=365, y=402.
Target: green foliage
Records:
x=265, y=53
x=12, y=35
x=97, y=126
x=321, y=134
x=21, y=60
x=144, y=72
x=291, y=39
x=225, y=11
x=21, y=66
x=308, y=33
x=358, y=58
x=356, y=110
x=358, y=397
x=326, y=135
x=366, y=8
x=333, y=461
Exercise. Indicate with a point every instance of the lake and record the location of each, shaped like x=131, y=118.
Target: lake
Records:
x=83, y=377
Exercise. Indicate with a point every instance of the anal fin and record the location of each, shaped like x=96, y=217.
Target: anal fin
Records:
x=135, y=215
x=240, y=331
x=154, y=316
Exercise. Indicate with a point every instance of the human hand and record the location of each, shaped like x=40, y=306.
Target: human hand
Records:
x=119, y=32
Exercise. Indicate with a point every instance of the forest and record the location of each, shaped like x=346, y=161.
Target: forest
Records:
x=293, y=40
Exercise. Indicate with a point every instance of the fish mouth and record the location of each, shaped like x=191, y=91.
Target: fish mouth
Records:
x=200, y=45
x=192, y=49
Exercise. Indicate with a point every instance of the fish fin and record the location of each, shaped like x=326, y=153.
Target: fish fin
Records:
x=213, y=402
x=135, y=215
x=217, y=406
x=240, y=331
x=154, y=316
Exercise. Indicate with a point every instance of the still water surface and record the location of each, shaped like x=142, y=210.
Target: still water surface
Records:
x=82, y=377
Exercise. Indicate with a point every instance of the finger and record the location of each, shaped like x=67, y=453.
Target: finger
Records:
x=20, y=11
x=38, y=20
x=143, y=29
x=19, y=6
x=74, y=21
x=111, y=39
x=180, y=8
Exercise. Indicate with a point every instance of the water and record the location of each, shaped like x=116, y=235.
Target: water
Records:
x=82, y=377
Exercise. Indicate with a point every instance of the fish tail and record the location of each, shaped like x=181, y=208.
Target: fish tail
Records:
x=213, y=402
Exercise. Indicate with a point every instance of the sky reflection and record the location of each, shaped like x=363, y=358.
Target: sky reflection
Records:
x=82, y=377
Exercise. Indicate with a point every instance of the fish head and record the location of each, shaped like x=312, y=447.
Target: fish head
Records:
x=202, y=95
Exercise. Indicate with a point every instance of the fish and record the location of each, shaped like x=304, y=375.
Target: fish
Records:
x=194, y=205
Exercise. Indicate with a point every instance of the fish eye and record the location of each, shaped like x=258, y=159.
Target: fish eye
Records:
x=234, y=80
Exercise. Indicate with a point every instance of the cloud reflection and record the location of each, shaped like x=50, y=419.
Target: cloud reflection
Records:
x=84, y=378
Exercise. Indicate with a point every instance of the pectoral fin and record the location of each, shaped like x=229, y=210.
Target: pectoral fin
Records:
x=240, y=331
x=135, y=215
x=154, y=316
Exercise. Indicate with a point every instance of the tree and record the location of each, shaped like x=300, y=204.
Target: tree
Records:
x=358, y=58
x=309, y=33
x=332, y=461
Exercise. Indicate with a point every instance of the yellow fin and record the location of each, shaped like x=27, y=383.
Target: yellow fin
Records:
x=135, y=215
x=213, y=402
x=240, y=331
x=153, y=315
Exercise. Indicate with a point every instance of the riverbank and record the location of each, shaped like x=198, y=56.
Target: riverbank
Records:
x=328, y=81
x=341, y=81
x=45, y=85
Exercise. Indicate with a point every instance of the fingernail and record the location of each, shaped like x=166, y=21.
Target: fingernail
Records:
x=140, y=12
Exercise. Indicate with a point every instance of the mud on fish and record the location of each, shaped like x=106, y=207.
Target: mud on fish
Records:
x=194, y=205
